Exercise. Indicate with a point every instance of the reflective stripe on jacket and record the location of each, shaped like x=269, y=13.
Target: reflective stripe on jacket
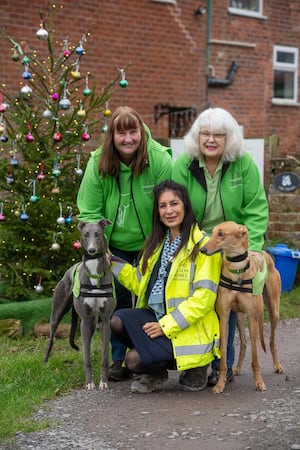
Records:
x=191, y=289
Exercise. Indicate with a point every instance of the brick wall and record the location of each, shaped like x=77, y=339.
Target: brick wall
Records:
x=166, y=45
x=159, y=40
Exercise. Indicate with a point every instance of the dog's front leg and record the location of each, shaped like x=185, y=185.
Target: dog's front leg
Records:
x=88, y=326
x=223, y=310
x=103, y=385
x=240, y=322
x=253, y=330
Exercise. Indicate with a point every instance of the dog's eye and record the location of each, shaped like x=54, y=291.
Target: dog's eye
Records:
x=221, y=233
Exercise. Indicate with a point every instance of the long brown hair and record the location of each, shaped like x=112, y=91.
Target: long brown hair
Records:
x=124, y=118
x=159, y=229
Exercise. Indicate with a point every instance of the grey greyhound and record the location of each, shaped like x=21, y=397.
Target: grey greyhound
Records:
x=87, y=288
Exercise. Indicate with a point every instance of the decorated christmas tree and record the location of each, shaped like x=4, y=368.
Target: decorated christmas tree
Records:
x=45, y=132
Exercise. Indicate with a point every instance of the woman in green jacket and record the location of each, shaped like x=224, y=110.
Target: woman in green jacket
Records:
x=224, y=184
x=175, y=324
x=118, y=185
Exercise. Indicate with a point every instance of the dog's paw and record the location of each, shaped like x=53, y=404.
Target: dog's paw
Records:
x=103, y=386
x=260, y=386
x=279, y=368
x=218, y=388
x=90, y=387
x=236, y=371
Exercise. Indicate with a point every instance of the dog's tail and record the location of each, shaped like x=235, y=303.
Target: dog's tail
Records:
x=261, y=333
x=73, y=331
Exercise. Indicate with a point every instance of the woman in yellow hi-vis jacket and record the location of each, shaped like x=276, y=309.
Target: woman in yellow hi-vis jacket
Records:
x=174, y=325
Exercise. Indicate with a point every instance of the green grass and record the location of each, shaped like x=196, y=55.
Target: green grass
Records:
x=26, y=381
x=290, y=304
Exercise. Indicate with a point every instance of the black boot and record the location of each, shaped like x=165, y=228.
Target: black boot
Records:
x=194, y=379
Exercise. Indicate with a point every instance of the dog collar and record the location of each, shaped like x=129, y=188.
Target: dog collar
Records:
x=240, y=270
x=238, y=258
x=97, y=255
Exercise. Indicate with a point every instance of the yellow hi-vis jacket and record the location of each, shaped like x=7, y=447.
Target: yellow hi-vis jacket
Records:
x=190, y=294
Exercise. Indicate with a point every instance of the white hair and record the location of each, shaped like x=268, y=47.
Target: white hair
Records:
x=216, y=120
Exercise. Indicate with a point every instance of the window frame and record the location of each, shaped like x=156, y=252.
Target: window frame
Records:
x=172, y=2
x=247, y=12
x=286, y=67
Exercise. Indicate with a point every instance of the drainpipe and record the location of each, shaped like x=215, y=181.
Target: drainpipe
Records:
x=207, y=68
x=214, y=82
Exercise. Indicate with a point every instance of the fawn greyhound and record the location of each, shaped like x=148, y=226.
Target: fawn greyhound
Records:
x=87, y=288
x=238, y=292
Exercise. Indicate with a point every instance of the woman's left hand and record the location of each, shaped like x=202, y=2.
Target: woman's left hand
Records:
x=259, y=257
x=153, y=329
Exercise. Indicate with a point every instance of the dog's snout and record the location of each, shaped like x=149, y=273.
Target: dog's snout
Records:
x=92, y=251
x=203, y=250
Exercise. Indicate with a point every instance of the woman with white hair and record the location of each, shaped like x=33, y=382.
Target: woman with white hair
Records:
x=223, y=183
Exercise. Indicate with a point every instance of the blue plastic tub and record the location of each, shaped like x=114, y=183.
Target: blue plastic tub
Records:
x=286, y=262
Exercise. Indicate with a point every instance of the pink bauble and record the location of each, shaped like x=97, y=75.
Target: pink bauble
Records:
x=76, y=245
x=57, y=137
x=29, y=137
x=41, y=176
x=85, y=137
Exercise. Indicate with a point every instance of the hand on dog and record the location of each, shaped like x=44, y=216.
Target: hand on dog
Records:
x=108, y=256
x=153, y=329
x=259, y=258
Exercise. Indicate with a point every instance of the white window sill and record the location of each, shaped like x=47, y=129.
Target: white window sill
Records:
x=284, y=102
x=246, y=13
x=173, y=2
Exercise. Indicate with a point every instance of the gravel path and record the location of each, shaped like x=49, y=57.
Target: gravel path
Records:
x=238, y=419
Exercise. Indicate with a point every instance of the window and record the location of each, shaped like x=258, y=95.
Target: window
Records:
x=252, y=8
x=285, y=66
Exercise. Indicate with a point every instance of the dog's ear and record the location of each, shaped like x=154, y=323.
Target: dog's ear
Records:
x=104, y=223
x=243, y=230
x=80, y=225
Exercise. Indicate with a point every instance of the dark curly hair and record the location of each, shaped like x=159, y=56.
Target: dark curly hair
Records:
x=159, y=229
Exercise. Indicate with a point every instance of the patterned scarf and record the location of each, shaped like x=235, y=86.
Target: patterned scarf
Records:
x=156, y=299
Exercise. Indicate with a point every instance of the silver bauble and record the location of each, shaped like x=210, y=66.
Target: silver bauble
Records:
x=47, y=114
x=60, y=220
x=79, y=172
x=26, y=90
x=39, y=288
x=64, y=103
x=55, y=246
x=42, y=34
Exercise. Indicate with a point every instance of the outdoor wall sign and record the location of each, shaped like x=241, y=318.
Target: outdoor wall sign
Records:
x=286, y=182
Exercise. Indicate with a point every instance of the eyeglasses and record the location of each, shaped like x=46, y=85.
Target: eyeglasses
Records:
x=208, y=134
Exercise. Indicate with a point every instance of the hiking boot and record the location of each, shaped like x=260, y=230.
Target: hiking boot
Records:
x=214, y=377
x=149, y=382
x=194, y=379
x=117, y=372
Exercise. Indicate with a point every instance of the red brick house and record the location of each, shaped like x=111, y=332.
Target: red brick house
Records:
x=186, y=55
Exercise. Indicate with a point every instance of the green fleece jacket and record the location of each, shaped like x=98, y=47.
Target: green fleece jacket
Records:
x=242, y=194
x=100, y=197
